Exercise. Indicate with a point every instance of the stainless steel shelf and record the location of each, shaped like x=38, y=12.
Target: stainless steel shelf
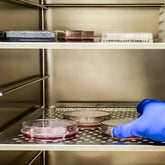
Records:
x=85, y=140
x=107, y=5
x=22, y=45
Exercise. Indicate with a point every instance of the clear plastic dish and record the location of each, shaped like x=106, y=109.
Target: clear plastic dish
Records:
x=73, y=36
x=28, y=36
x=87, y=118
x=126, y=37
x=108, y=125
x=49, y=129
x=79, y=36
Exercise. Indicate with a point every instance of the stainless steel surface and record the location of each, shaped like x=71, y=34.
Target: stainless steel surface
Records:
x=35, y=157
x=16, y=87
x=85, y=140
x=19, y=157
x=15, y=17
x=29, y=3
x=105, y=158
x=16, y=65
x=105, y=75
x=13, y=73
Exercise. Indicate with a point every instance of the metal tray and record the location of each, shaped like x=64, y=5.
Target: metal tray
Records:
x=86, y=139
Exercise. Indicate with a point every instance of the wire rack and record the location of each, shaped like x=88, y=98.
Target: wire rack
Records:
x=90, y=136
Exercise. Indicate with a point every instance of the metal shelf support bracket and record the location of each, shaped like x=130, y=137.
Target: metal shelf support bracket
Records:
x=28, y=3
x=15, y=87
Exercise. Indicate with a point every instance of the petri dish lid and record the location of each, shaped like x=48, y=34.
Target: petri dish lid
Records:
x=117, y=122
x=49, y=129
x=30, y=34
x=108, y=125
x=88, y=118
x=73, y=33
x=88, y=33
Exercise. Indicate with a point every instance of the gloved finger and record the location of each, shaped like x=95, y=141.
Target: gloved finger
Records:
x=141, y=105
x=157, y=101
x=123, y=130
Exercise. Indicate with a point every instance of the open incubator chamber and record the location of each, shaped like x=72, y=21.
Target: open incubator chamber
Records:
x=45, y=80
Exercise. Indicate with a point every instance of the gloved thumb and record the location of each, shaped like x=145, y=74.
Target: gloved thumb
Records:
x=123, y=130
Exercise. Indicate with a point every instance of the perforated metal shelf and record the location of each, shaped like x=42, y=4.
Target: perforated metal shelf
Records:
x=86, y=139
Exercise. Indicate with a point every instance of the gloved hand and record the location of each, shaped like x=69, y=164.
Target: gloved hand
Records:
x=150, y=125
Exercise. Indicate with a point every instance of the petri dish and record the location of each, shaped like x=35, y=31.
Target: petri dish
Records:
x=28, y=36
x=88, y=36
x=49, y=129
x=73, y=35
x=108, y=125
x=87, y=118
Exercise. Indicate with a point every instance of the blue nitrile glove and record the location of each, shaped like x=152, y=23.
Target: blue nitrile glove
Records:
x=150, y=125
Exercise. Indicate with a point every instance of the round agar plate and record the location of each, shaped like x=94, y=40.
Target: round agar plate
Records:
x=108, y=125
x=49, y=129
x=87, y=118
